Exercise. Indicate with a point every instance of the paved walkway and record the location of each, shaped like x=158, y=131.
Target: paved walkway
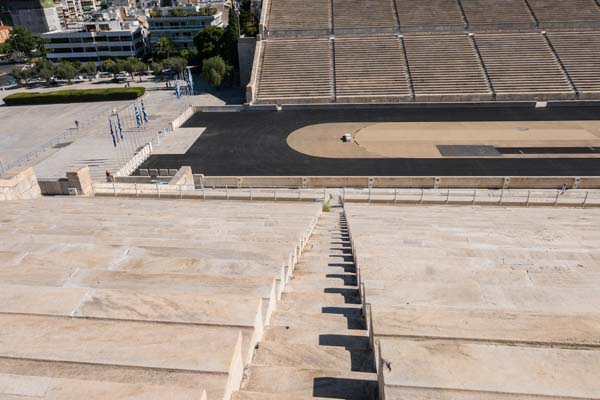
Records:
x=317, y=345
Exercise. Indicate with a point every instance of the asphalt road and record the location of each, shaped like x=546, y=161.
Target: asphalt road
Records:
x=254, y=143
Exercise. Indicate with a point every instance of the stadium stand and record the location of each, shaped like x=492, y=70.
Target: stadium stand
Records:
x=580, y=55
x=522, y=66
x=511, y=57
x=446, y=68
x=296, y=70
x=561, y=14
x=434, y=15
x=350, y=16
x=115, y=298
x=481, y=303
x=371, y=68
x=497, y=15
x=298, y=17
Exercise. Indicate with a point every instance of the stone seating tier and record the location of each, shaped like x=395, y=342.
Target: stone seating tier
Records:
x=481, y=303
x=122, y=298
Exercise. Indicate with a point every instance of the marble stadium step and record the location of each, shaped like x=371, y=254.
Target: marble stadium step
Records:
x=30, y=387
x=312, y=383
x=138, y=298
x=488, y=326
x=525, y=371
x=347, y=338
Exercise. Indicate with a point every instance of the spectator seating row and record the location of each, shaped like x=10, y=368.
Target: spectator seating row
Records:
x=303, y=17
x=431, y=68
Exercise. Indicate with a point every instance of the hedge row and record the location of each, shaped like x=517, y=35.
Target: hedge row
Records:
x=74, y=96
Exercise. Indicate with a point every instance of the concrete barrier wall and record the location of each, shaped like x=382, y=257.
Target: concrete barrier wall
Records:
x=135, y=161
x=182, y=118
x=252, y=85
x=19, y=183
x=55, y=187
x=468, y=182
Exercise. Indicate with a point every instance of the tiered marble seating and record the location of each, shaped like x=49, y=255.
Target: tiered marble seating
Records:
x=522, y=66
x=559, y=14
x=481, y=302
x=579, y=53
x=296, y=70
x=370, y=68
x=491, y=15
x=299, y=17
x=364, y=16
x=445, y=68
x=429, y=16
x=116, y=298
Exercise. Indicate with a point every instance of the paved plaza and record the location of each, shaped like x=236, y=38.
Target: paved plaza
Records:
x=46, y=136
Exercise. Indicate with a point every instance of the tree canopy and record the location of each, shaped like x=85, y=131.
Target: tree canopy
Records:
x=214, y=71
x=22, y=40
x=209, y=42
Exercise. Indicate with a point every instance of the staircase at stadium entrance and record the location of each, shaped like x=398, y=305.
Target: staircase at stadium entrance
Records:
x=317, y=344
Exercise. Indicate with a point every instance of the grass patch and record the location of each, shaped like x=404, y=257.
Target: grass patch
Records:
x=74, y=96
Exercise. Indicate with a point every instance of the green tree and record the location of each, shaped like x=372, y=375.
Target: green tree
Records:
x=103, y=5
x=135, y=66
x=40, y=48
x=22, y=40
x=230, y=39
x=177, y=64
x=22, y=75
x=89, y=68
x=214, y=71
x=165, y=46
x=65, y=70
x=111, y=67
x=209, y=42
x=45, y=70
x=157, y=68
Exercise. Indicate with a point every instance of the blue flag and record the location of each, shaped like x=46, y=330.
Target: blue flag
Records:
x=119, y=126
x=190, y=81
x=138, y=118
x=144, y=115
x=112, y=133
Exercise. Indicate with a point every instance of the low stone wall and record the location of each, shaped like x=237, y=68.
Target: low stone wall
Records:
x=471, y=182
x=138, y=159
x=182, y=118
x=19, y=183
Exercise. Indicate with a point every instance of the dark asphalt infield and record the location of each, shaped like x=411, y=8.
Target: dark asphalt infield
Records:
x=253, y=143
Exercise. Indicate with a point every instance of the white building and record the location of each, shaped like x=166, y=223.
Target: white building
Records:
x=181, y=24
x=96, y=41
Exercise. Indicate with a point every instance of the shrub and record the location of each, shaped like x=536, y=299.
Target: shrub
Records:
x=74, y=96
x=214, y=70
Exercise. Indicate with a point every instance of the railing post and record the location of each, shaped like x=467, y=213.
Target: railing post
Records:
x=250, y=192
x=299, y=193
x=274, y=193
x=344, y=193
x=203, y=193
x=180, y=192
x=395, y=195
x=447, y=196
x=369, y=193
x=422, y=194
x=585, y=199
x=226, y=192
x=157, y=190
x=114, y=189
x=474, y=196
x=135, y=187
x=501, y=196
x=556, y=199
x=528, y=198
